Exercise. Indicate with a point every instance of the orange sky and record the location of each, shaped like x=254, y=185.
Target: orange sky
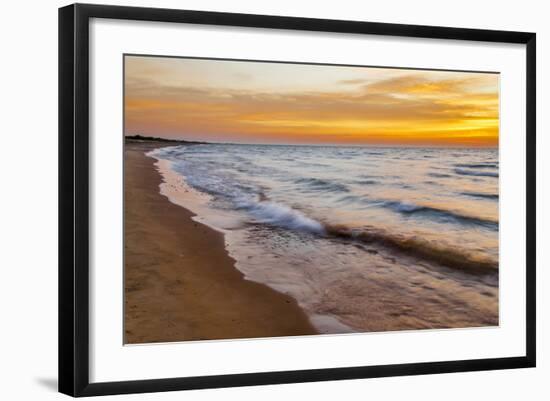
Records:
x=255, y=102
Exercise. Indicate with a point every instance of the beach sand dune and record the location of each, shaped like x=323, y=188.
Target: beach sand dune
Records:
x=180, y=282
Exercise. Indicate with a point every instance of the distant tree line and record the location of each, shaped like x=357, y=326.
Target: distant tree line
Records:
x=158, y=139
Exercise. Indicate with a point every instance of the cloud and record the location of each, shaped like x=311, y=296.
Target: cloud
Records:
x=408, y=108
x=422, y=84
x=357, y=81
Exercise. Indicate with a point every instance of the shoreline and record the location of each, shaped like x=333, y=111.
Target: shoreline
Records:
x=176, y=189
x=180, y=282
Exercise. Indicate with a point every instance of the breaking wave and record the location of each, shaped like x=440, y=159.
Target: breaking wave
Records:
x=481, y=195
x=318, y=184
x=461, y=171
x=418, y=247
x=477, y=165
x=412, y=208
x=282, y=216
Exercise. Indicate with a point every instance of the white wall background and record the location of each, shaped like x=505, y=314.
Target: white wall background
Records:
x=28, y=200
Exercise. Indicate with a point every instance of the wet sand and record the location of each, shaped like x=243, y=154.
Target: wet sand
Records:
x=180, y=282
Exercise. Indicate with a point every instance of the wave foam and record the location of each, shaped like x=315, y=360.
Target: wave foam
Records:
x=282, y=216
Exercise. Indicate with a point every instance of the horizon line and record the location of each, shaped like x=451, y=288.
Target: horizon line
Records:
x=199, y=141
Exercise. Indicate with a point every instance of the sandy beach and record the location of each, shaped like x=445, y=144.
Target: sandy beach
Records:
x=180, y=282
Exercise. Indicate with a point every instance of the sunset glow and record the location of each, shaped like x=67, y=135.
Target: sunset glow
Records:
x=258, y=102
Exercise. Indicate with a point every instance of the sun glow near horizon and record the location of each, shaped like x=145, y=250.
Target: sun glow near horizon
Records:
x=263, y=102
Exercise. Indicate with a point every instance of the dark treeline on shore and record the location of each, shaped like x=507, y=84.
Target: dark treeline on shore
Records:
x=142, y=138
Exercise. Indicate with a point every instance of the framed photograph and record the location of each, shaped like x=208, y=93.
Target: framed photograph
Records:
x=251, y=199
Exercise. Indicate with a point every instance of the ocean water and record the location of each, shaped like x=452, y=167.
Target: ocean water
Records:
x=364, y=238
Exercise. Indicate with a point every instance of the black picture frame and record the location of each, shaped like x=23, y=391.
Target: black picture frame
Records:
x=74, y=201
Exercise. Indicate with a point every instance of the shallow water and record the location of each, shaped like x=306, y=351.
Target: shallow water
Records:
x=365, y=239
